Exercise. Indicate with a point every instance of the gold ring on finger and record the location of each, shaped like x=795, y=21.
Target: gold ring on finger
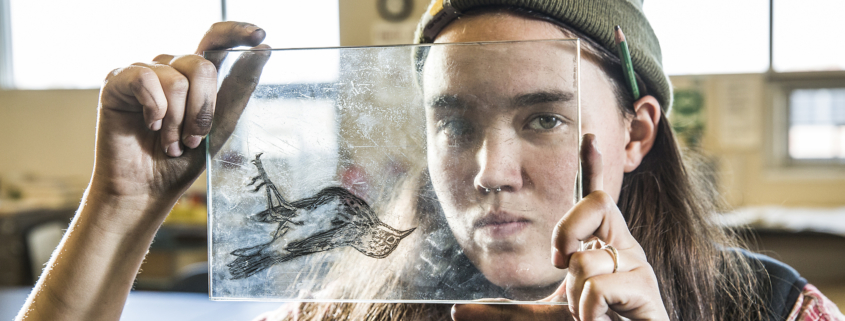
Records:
x=615, y=254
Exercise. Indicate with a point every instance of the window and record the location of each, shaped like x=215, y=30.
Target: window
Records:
x=711, y=37
x=74, y=44
x=725, y=36
x=803, y=31
x=809, y=81
x=294, y=24
x=817, y=124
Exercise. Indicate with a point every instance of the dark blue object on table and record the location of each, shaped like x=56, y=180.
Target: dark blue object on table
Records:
x=147, y=305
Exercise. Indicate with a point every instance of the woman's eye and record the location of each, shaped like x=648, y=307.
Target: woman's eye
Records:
x=544, y=122
x=456, y=128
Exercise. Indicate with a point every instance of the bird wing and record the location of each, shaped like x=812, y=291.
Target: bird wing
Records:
x=322, y=241
x=321, y=198
x=352, y=209
x=357, y=208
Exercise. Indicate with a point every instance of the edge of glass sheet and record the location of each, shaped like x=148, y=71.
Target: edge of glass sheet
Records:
x=578, y=185
x=577, y=42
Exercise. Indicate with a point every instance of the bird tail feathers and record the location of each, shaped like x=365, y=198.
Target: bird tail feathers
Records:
x=248, y=265
x=249, y=251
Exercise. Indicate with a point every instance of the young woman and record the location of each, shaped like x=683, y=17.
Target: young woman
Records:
x=671, y=261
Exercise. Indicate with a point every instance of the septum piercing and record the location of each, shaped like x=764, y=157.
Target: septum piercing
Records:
x=487, y=190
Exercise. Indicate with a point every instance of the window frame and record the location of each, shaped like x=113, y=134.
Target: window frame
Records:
x=7, y=76
x=780, y=87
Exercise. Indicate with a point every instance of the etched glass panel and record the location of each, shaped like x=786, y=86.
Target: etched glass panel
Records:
x=405, y=173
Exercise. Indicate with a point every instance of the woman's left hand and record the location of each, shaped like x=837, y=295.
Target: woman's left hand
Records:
x=592, y=288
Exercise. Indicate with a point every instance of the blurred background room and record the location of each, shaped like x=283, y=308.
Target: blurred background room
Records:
x=759, y=97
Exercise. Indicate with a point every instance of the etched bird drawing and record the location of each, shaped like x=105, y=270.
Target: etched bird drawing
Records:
x=350, y=222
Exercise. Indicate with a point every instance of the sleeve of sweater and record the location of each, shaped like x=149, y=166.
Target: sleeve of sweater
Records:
x=812, y=305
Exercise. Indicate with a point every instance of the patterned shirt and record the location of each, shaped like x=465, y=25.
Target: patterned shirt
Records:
x=812, y=305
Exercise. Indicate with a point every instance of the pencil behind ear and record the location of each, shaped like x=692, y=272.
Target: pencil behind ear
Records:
x=642, y=131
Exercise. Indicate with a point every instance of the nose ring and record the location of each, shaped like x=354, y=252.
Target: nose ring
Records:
x=487, y=190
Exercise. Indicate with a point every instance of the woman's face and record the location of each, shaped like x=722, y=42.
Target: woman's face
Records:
x=504, y=117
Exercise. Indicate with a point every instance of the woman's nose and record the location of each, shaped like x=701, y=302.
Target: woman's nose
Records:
x=500, y=168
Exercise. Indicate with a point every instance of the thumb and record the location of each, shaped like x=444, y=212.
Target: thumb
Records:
x=234, y=94
x=591, y=165
x=227, y=35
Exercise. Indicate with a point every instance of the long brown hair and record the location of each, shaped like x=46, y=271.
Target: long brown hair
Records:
x=667, y=202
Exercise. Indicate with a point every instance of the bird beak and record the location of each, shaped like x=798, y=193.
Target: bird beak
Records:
x=403, y=234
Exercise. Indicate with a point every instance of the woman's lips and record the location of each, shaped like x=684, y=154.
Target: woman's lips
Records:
x=500, y=224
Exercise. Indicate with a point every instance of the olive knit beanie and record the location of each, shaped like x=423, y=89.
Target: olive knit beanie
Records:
x=593, y=18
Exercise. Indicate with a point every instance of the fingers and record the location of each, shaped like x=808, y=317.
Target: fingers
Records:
x=189, y=84
x=585, y=265
x=594, y=216
x=509, y=312
x=229, y=34
x=591, y=164
x=593, y=286
x=175, y=87
x=189, y=118
x=234, y=93
x=626, y=293
x=592, y=178
x=201, y=97
x=129, y=88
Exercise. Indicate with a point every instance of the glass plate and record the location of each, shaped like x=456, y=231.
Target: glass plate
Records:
x=418, y=173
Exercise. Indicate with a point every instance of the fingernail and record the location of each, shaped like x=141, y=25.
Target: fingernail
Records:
x=193, y=141
x=557, y=259
x=595, y=145
x=173, y=150
x=156, y=125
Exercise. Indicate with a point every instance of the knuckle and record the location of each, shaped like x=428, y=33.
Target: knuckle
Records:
x=143, y=71
x=558, y=236
x=114, y=72
x=137, y=83
x=179, y=84
x=601, y=200
x=205, y=68
x=577, y=263
x=605, y=198
x=163, y=58
x=195, y=66
x=592, y=288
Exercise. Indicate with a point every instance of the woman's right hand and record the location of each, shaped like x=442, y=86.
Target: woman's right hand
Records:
x=151, y=122
x=153, y=118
